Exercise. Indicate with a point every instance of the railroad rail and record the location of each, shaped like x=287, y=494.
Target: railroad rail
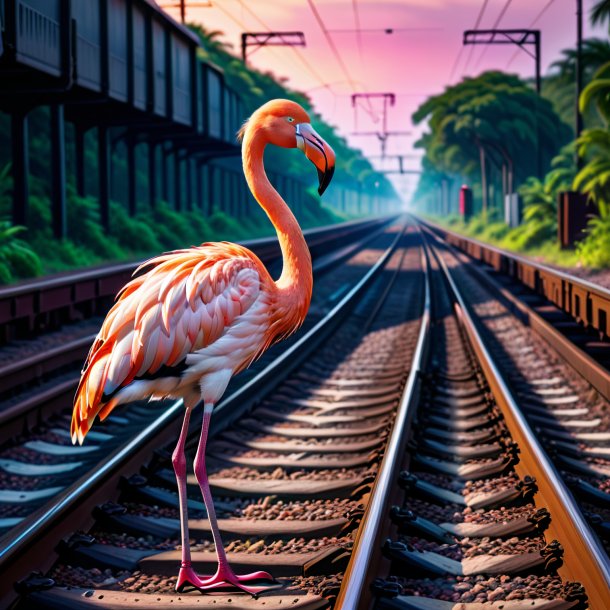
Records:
x=486, y=520
x=39, y=305
x=39, y=463
x=103, y=483
x=569, y=417
x=382, y=461
x=571, y=313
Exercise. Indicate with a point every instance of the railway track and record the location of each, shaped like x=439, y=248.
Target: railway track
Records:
x=569, y=313
x=381, y=461
x=37, y=462
x=63, y=315
x=478, y=517
x=340, y=296
x=571, y=418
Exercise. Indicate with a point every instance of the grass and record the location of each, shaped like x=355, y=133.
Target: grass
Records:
x=536, y=240
x=36, y=251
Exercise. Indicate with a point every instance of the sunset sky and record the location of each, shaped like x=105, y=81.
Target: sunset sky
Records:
x=412, y=63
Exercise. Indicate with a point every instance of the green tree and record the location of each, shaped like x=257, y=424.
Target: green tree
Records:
x=559, y=86
x=600, y=13
x=485, y=124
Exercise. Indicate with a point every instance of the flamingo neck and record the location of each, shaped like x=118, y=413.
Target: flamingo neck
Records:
x=296, y=279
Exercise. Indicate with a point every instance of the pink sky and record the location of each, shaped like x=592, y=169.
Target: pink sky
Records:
x=412, y=64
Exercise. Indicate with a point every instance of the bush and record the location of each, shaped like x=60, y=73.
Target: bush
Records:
x=594, y=250
x=17, y=259
x=85, y=230
x=172, y=228
x=133, y=234
x=532, y=234
x=225, y=227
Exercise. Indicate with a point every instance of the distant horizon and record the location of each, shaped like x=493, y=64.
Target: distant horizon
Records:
x=413, y=64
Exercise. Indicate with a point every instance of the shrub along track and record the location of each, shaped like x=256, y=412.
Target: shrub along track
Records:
x=37, y=459
x=291, y=478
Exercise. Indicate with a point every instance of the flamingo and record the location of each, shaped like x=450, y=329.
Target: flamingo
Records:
x=191, y=319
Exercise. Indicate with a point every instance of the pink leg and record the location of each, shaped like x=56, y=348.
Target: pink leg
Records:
x=224, y=574
x=187, y=575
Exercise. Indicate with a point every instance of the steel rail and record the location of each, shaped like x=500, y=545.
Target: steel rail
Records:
x=571, y=279
x=81, y=494
x=66, y=279
x=575, y=356
x=585, y=560
x=357, y=575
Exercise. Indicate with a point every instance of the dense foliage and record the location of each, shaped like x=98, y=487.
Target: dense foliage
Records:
x=539, y=193
x=482, y=124
x=32, y=251
x=594, y=177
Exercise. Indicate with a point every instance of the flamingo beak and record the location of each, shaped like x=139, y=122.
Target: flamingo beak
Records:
x=318, y=152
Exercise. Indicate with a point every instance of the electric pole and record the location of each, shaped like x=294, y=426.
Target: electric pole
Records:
x=521, y=38
x=389, y=99
x=578, y=72
x=270, y=39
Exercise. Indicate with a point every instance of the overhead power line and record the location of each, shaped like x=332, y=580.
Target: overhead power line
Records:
x=493, y=27
x=533, y=23
x=298, y=55
x=459, y=55
x=331, y=42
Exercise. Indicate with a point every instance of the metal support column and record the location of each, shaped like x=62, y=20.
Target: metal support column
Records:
x=130, y=145
x=189, y=183
x=199, y=184
x=164, y=174
x=578, y=73
x=20, y=166
x=58, y=172
x=104, y=161
x=79, y=159
x=152, y=175
x=177, y=181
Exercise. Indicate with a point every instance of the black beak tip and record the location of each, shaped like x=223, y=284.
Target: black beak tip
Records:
x=324, y=179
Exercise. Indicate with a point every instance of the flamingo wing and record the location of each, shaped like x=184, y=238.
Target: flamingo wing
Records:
x=181, y=302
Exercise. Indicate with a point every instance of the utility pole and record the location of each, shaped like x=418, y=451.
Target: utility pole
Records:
x=387, y=98
x=578, y=72
x=521, y=38
x=270, y=39
x=182, y=5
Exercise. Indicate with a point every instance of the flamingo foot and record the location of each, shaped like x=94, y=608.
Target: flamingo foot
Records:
x=254, y=583
x=187, y=577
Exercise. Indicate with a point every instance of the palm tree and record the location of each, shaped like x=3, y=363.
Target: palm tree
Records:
x=594, y=144
x=600, y=13
x=491, y=119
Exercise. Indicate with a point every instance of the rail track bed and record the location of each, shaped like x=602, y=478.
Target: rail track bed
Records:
x=290, y=478
x=37, y=459
x=571, y=418
x=380, y=461
x=473, y=515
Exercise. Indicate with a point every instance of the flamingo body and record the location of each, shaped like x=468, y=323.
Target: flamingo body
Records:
x=191, y=319
x=187, y=323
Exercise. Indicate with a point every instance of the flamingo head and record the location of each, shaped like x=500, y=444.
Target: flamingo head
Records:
x=285, y=123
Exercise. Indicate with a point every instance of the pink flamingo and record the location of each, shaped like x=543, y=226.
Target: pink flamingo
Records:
x=193, y=318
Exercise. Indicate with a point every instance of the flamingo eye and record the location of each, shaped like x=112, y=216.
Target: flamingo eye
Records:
x=290, y=119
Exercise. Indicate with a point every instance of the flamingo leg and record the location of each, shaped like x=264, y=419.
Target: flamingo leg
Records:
x=224, y=576
x=186, y=575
